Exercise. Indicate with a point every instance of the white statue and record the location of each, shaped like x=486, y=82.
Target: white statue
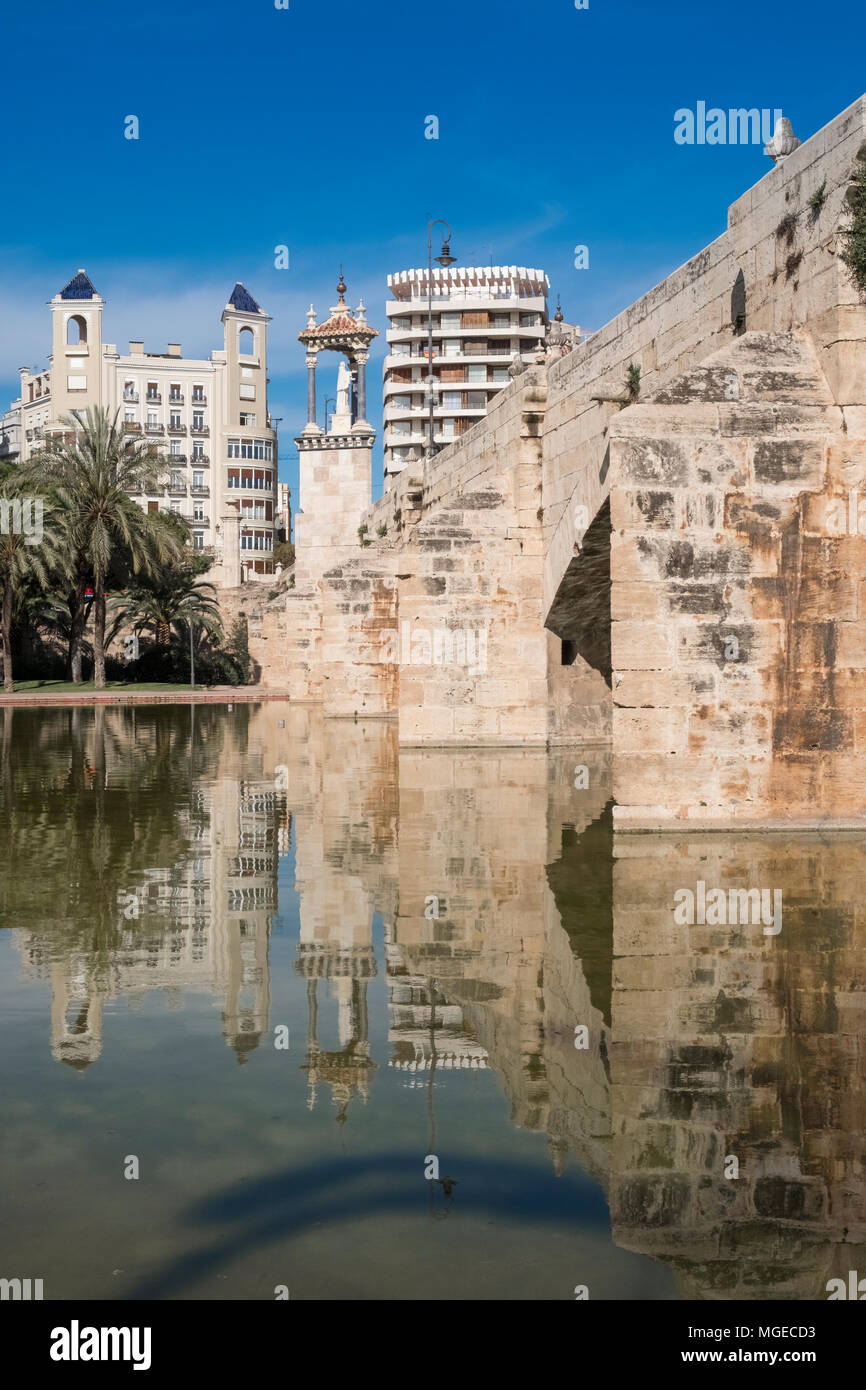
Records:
x=344, y=382
x=784, y=141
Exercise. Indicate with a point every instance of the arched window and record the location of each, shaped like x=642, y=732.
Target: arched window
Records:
x=76, y=330
x=246, y=342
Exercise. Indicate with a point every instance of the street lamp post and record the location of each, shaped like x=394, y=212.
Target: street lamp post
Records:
x=191, y=652
x=444, y=259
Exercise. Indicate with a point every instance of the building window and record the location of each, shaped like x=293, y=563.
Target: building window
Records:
x=129, y=414
x=476, y=373
x=197, y=478
x=198, y=540
x=152, y=391
x=198, y=393
x=246, y=342
x=247, y=418
x=451, y=348
x=529, y=321
x=198, y=512
x=76, y=383
x=174, y=420
x=198, y=419
x=197, y=449
x=174, y=504
x=176, y=479
x=152, y=418
x=174, y=448
x=452, y=400
x=248, y=393
x=76, y=330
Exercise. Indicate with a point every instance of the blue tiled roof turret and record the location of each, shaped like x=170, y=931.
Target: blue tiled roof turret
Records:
x=79, y=287
x=243, y=300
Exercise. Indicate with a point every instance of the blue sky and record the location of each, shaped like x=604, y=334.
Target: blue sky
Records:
x=305, y=127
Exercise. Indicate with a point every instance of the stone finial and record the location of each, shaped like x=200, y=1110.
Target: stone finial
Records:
x=517, y=366
x=311, y=317
x=784, y=141
x=361, y=312
x=341, y=287
x=558, y=317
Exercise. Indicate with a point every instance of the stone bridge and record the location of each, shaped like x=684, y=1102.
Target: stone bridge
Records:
x=677, y=571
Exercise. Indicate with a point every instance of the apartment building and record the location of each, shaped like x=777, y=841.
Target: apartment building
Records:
x=483, y=317
x=209, y=416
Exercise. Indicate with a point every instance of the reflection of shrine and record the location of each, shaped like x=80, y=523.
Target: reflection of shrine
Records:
x=347, y=1069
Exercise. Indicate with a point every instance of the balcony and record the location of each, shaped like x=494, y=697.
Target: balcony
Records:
x=177, y=429
x=200, y=491
x=177, y=458
x=200, y=458
x=198, y=520
x=203, y=430
x=175, y=398
x=155, y=397
x=153, y=429
x=176, y=489
x=198, y=400
x=34, y=433
x=130, y=396
x=131, y=427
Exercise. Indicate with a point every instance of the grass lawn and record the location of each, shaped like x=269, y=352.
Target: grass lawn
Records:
x=67, y=687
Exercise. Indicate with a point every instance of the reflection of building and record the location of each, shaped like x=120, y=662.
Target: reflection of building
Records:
x=200, y=924
x=425, y=1028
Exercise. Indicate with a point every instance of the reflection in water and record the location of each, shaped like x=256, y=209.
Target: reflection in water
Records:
x=435, y=930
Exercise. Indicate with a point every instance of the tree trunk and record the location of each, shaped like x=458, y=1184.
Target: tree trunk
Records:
x=99, y=636
x=8, y=684
x=76, y=635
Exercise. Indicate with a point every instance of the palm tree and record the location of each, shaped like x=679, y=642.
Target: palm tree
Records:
x=23, y=558
x=92, y=469
x=164, y=603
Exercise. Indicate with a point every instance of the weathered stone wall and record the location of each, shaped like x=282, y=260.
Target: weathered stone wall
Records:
x=738, y=640
x=731, y=1043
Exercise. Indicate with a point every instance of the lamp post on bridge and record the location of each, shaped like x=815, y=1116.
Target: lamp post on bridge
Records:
x=444, y=259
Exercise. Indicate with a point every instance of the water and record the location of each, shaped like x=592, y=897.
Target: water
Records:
x=184, y=888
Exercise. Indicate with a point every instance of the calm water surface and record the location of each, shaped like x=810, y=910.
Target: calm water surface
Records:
x=187, y=889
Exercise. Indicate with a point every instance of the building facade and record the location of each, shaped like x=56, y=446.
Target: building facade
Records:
x=483, y=317
x=209, y=416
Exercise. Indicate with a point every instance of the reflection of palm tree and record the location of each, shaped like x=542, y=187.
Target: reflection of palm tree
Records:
x=98, y=794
